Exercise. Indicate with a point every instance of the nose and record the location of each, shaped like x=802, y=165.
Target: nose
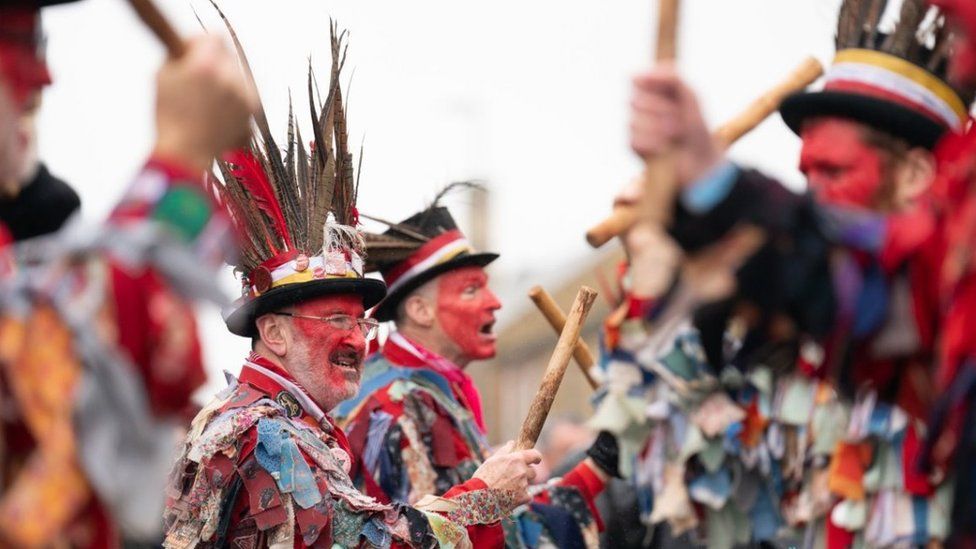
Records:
x=491, y=300
x=355, y=339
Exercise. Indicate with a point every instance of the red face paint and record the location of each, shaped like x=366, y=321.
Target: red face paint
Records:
x=328, y=361
x=466, y=311
x=840, y=168
x=22, y=67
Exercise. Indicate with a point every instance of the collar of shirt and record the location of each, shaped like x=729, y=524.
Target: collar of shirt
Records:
x=400, y=350
x=273, y=380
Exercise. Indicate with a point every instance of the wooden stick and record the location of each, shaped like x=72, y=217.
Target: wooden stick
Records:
x=660, y=180
x=159, y=25
x=762, y=107
x=557, y=319
x=667, y=30
x=806, y=73
x=542, y=403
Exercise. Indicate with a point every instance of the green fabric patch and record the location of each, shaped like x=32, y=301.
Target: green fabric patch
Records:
x=347, y=525
x=185, y=211
x=679, y=363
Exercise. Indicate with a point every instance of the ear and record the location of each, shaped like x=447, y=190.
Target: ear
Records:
x=420, y=310
x=274, y=333
x=914, y=176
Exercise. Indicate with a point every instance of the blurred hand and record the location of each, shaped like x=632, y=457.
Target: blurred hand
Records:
x=651, y=254
x=665, y=115
x=203, y=104
x=510, y=470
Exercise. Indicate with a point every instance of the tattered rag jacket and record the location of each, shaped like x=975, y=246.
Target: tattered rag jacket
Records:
x=416, y=425
x=264, y=466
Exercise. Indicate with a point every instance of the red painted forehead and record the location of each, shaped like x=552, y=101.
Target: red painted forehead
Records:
x=838, y=138
x=464, y=275
x=346, y=304
x=834, y=141
x=840, y=166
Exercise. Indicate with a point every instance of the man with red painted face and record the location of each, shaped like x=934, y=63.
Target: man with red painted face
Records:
x=264, y=464
x=841, y=302
x=417, y=422
x=100, y=351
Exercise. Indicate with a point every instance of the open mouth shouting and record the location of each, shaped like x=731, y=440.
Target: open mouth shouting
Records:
x=486, y=331
x=347, y=360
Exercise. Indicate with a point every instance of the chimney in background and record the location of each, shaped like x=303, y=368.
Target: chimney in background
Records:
x=479, y=218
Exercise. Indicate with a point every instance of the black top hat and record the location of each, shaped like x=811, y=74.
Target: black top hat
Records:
x=417, y=250
x=894, y=82
x=296, y=214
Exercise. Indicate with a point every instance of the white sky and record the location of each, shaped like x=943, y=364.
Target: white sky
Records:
x=530, y=96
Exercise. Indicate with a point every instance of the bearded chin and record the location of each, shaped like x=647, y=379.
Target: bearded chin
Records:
x=319, y=381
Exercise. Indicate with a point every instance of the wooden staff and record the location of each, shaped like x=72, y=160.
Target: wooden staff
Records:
x=660, y=180
x=761, y=108
x=159, y=25
x=539, y=409
x=557, y=319
x=542, y=402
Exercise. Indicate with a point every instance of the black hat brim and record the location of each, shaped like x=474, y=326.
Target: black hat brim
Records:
x=242, y=321
x=914, y=127
x=386, y=310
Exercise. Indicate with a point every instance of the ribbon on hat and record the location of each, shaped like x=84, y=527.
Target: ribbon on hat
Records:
x=879, y=74
x=443, y=248
x=297, y=268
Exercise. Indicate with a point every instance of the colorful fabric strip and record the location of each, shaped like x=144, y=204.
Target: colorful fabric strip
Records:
x=334, y=265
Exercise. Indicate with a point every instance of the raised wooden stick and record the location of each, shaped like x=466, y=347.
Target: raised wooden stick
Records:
x=806, y=73
x=159, y=25
x=761, y=108
x=542, y=403
x=660, y=179
x=557, y=319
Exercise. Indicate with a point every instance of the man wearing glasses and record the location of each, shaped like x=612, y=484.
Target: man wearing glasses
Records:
x=264, y=465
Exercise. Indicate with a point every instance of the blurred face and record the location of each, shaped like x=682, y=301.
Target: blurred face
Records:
x=22, y=75
x=325, y=360
x=10, y=149
x=466, y=313
x=840, y=167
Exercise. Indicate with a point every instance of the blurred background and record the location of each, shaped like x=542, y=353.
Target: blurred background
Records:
x=529, y=97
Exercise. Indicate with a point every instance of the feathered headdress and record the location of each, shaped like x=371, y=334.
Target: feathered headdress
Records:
x=418, y=249
x=295, y=213
x=895, y=81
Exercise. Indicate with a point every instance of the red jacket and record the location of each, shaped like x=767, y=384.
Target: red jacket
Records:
x=237, y=482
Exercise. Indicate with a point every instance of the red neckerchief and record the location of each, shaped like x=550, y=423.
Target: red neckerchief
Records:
x=273, y=380
x=409, y=354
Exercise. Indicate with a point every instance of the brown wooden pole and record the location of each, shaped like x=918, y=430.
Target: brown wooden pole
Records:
x=806, y=73
x=159, y=25
x=542, y=403
x=660, y=180
x=557, y=319
x=762, y=107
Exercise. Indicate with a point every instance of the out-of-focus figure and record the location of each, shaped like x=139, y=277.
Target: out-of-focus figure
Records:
x=416, y=389
x=98, y=345
x=36, y=202
x=792, y=404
